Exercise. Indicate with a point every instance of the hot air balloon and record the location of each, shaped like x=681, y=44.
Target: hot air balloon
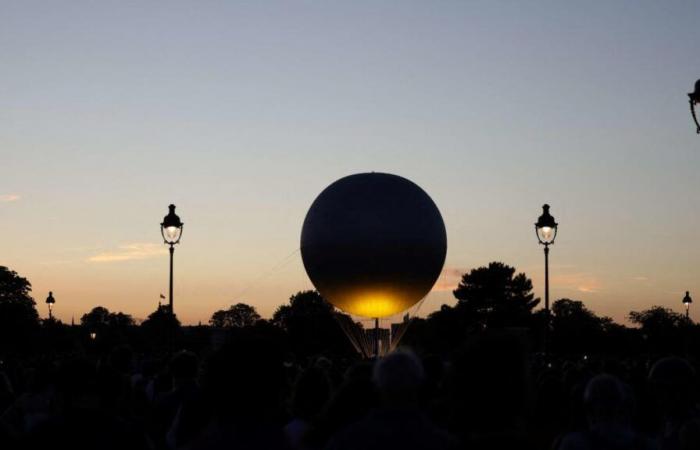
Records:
x=373, y=244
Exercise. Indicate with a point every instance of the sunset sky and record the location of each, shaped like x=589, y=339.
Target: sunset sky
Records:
x=240, y=113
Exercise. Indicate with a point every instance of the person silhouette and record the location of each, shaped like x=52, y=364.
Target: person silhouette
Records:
x=312, y=391
x=608, y=404
x=398, y=422
x=242, y=387
x=489, y=393
x=673, y=383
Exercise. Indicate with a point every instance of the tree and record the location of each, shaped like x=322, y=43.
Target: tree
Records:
x=661, y=327
x=161, y=317
x=440, y=333
x=120, y=320
x=496, y=296
x=18, y=316
x=238, y=315
x=96, y=318
x=110, y=328
x=576, y=329
x=311, y=325
x=161, y=327
x=302, y=305
x=100, y=317
x=657, y=319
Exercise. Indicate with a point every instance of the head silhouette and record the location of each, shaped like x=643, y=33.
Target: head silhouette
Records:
x=673, y=382
x=607, y=401
x=398, y=377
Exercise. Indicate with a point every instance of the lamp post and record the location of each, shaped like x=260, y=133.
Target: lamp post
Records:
x=50, y=301
x=171, y=229
x=687, y=301
x=694, y=98
x=546, y=231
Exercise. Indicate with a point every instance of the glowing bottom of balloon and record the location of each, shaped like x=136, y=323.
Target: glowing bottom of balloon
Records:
x=373, y=304
x=376, y=302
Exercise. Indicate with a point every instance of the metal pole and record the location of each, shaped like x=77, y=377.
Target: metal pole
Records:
x=546, y=297
x=172, y=251
x=50, y=315
x=687, y=328
x=376, y=337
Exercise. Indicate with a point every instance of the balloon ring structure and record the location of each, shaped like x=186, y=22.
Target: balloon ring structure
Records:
x=373, y=244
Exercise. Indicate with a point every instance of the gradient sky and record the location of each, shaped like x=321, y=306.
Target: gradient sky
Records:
x=240, y=113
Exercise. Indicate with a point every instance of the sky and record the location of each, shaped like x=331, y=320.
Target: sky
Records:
x=240, y=113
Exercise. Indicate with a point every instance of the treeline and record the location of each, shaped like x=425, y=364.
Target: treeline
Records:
x=489, y=297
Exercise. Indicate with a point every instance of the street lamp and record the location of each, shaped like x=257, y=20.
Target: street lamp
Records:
x=687, y=301
x=171, y=229
x=50, y=301
x=546, y=230
x=694, y=98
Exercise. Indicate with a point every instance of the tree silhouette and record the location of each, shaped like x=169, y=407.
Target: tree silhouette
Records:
x=18, y=316
x=661, y=327
x=302, y=305
x=439, y=333
x=161, y=327
x=121, y=320
x=657, y=318
x=495, y=296
x=238, y=315
x=96, y=318
x=109, y=328
x=100, y=317
x=161, y=317
x=576, y=329
x=311, y=326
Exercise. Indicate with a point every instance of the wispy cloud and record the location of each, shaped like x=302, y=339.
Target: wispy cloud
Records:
x=7, y=198
x=83, y=249
x=58, y=262
x=129, y=252
x=579, y=281
x=449, y=279
x=575, y=281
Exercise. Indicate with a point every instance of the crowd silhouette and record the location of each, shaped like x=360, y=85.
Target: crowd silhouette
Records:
x=471, y=376
x=248, y=394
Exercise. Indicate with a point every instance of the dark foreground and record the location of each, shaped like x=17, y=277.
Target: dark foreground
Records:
x=247, y=394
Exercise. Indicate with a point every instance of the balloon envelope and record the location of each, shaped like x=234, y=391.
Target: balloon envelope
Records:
x=373, y=244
